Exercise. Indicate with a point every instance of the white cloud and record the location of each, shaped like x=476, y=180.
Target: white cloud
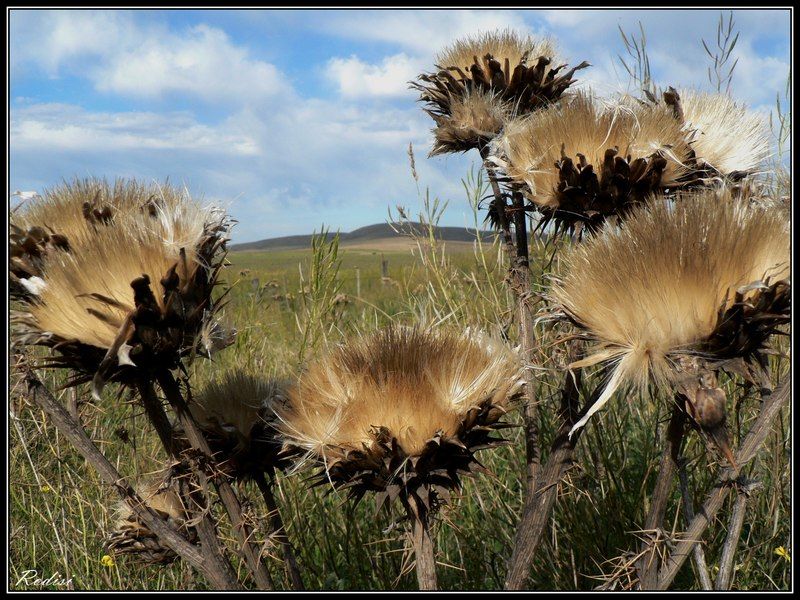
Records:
x=283, y=172
x=423, y=31
x=144, y=60
x=356, y=78
x=566, y=18
x=201, y=61
x=759, y=78
x=70, y=128
x=50, y=39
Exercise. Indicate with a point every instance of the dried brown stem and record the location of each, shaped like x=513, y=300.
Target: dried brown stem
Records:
x=519, y=276
x=726, y=562
x=158, y=418
x=424, y=554
x=540, y=501
x=194, y=497
x=698, y=555
x=521, y=282
x=73, y=406
x=212, y=565
x=500, y=199
x=648, y=564
x=280, y=532
x=770, y=409
x=230, y=501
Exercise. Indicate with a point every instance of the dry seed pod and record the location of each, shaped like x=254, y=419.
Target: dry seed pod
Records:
x=132, y=537
x=133, y=294
x=237, y=415
x=474, y=119
x=705, y=276
x=703, y=401
x=401, y=412
x=484, y=80
x=583, y=162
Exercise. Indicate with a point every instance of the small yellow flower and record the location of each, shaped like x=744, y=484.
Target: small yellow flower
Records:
x=783, y=553
x=107, y=561
x=46, y=489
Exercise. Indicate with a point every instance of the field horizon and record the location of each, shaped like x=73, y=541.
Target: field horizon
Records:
x=378, y=235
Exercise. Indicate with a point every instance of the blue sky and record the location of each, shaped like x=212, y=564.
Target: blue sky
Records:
x=293, y=119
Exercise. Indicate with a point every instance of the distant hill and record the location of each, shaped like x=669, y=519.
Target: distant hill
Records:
x=378, y=234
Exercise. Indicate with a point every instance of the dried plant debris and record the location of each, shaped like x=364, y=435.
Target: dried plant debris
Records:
x=401, y=412
x=132, y=537
x=484, y=80
x=132, y=293
x=705, y=276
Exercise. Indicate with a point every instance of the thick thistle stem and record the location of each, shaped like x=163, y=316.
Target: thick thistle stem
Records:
x=194, y=497
x=649, y=562
x=699, y=557
x=521, y=281
x=726, y=562
x=158, y=418
x=424, y=554
x=519, y=277
x=541, y=498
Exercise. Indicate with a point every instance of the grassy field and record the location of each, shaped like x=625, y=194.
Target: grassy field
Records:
x=60, y=512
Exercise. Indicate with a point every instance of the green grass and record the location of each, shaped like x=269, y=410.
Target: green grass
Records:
x=60, y=512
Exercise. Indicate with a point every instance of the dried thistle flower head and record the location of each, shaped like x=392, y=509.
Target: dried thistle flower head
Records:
x=76, y=210
x=401, y=411
x=583, y=161
x=132, y=537
x=474, y=119
x=132, y=292
x=694, y=277
x=503, y=68
x=504, y=44
x=237, y=414
x=727, y=139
